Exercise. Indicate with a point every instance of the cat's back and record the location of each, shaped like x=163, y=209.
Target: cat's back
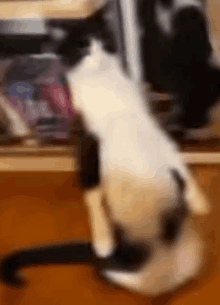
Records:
x=101, y=89
x=115, y=107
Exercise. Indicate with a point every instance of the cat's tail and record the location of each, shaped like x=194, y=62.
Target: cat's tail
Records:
x=75, y=252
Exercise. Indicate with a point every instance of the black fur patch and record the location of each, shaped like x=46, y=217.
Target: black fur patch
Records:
x=128, y=256
x=173, y=219
x=79, y=32
x=172, y=223
x=179, y=180
x=78, y=253
x=89, y=175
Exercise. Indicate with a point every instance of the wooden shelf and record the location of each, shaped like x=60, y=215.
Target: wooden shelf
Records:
x=201, y=157
x=38, y=159
x=63, y=159
x=36, y=151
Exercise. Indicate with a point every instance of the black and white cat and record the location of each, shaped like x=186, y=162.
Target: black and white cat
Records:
x=147, y=238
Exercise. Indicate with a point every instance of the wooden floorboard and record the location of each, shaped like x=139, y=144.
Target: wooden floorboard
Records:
x=44, y=207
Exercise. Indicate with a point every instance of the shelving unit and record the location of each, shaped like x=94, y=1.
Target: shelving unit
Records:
x=18, y=158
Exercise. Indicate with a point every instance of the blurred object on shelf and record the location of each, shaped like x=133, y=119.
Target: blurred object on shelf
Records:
x=36, y=90
x=4, y=122
x=6, y=135
x=165, y=109
x=4, y=65
x=181, y=56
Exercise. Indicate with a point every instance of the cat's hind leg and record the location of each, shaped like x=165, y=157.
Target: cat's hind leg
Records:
x=91, y=183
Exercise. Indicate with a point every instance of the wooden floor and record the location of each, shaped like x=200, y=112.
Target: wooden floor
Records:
x=43, y=207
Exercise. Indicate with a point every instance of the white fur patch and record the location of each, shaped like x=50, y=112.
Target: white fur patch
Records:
x=103, y=242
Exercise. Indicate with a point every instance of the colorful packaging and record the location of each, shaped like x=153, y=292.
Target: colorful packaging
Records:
x=43, y=101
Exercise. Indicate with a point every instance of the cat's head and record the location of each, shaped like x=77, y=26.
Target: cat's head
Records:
x=72, y=38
